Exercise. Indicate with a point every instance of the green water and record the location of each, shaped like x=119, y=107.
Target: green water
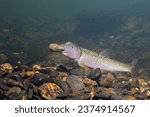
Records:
x=63, y=9
x=28, y=26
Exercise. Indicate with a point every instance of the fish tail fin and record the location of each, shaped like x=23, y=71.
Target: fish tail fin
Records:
x=134, y=63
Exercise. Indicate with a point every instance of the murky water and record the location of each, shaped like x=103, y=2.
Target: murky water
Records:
x=27, y=27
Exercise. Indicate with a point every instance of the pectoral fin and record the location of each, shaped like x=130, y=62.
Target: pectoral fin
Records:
x=81, y=64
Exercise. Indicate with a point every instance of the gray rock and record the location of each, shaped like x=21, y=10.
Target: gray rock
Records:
x=75, y=82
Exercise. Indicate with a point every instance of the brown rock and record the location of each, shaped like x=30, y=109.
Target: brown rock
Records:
x=6, y=67
x=36, y=67
x=105, y=93
x=134, y=83
x=89, y=82
x=14, y=89
x=28, y=73
x=143, y=85
x=134, y=91
x=12, y=82
x=130, y=98
x=56, y=47
x=147, y=93
x=121, y=77
x=50, y=91
x=76, y=93
x=25, y=97
x=107, y=80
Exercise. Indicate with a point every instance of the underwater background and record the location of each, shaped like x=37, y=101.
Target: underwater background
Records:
x=27, y=27
x=30, y=70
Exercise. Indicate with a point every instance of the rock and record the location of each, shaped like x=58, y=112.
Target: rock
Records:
x=105, y=93
x=36, y=67
x=28, y=73
x=37, y=97
x=77, y=72
x=17, y=96
x=58, y=58
x=86, y=96
x=134, y=83
x=117, y=96
x=4, y=87
x=39, y=79
x=140, y=96
x=1, y=94
x=55, y=47
x=11, y=82
x=19, y=68
x=143, y=85
x=107, y=80
x=30, y=93
x=3, y=73
x=122, y=85
x=124, y=92
x=24, y=97
x=147, y=93
x=121, y=77
x=64, y=86
x=50, y=91
x=89, y=82
x=130, y=98
x=54, y=73
x=134, y=91
x=14, y=89
x=75, y=82
x=86, y=70
x=62, y=68
x=95, y=75
x=76, y=93
x=46, y=71
x=6, y=67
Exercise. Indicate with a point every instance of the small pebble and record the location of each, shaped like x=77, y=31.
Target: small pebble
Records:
x=86, y=96
x=89, y=82
x=140, y=96
x=45, y=71
x=130, y=98
x=107, y=80
x=134, y=83
x=36, y=67
x=6, y=67
x=95, y=75
x=14, y=89
x=134, y=91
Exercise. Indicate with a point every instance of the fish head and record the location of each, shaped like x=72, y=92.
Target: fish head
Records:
x=71, y=50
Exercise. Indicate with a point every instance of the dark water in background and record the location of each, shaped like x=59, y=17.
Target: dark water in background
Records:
x=28, y=26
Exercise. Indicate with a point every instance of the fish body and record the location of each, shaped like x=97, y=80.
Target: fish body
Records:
x=94, y=60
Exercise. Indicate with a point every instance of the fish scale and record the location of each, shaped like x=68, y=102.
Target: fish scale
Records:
x=110, y=64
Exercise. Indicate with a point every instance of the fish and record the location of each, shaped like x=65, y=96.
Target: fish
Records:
x=91, y=59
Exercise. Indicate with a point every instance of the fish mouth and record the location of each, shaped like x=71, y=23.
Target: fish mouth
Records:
x=64, y=53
